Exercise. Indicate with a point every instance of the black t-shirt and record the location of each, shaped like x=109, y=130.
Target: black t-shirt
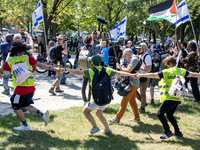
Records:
x=160, y=74
x=111, y=51
x=42, y=47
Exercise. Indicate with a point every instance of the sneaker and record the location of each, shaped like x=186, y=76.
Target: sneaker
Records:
x=146, y=104
x=59, y=90
x=6, y=93
x=106, y=132
x=142, y=110
x=166, y=135
x=179, y=134
x=152, y=102
x=93, y=131
x=114, y=120
x=134, y=120
x=52, y=92
x=196, y=101
x=46, y=118
x=22, y=128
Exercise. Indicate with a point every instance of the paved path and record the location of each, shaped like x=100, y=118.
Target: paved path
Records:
x=44, y=100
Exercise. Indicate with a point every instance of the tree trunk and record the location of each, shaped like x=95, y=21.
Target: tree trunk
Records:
x=1, y=26
x=154, y=37
x=28, y=21
x=54, y=26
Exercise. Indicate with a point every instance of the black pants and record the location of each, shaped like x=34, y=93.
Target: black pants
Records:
x=168, y=107
x=84, y=86
x=195, y=87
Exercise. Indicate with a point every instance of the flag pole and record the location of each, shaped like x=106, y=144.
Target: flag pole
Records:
x=44, y=27
x=194, y=32
x=176, y=39
x=125, y=34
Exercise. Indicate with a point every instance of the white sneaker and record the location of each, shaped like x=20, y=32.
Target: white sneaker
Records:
x=93, y=131
x=22, y=128
x=46, y=118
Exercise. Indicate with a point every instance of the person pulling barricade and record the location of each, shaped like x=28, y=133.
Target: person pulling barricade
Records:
x=101, y=91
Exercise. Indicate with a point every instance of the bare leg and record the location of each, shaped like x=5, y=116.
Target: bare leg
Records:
x=102, y=119
x=20, y=115
x=89, y=117
x=30, y=108
x=151, y=92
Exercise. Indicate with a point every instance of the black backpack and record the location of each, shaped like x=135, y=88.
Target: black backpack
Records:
x=155, y=67
x=56, y=53
x=101, y=87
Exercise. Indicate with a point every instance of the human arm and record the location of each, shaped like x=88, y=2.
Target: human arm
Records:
x=148, y=75
x=47, y=67
x=129, y=69
x=146, y=68
x=76, y=72
x=178, y=44
x=29, y=38
x=194, y=75
x=65, y=48
x=121, y=73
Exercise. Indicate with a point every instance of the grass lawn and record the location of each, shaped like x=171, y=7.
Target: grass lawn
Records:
x=68, y=130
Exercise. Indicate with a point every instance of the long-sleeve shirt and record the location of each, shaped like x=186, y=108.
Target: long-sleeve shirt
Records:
x=190, y=61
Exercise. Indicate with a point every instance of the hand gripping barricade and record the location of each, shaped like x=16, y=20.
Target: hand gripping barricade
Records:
x=178, y=89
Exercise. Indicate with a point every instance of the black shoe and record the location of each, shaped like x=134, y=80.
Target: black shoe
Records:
x=146, y=104
x=166, y=135
x=152, y=102
x=196, y=101
x=179, y=134
x=142, y=110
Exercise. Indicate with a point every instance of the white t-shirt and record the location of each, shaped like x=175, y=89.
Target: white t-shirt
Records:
x=147, y=60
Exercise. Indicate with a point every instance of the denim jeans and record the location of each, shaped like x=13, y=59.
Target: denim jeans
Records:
x=75, y=63
x=6, y=76
x=65, y=59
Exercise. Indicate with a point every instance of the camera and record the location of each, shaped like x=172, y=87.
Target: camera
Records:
x=95, y=32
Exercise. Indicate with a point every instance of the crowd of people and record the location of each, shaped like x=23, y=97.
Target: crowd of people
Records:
x=140, y=62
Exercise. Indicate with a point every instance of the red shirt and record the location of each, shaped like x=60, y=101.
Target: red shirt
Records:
x=22, y=90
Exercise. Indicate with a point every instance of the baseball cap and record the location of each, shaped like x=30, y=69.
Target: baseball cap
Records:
x=60, y=37
x=80, y=37
x=142, y=45
x=96, y=59
x=156, y=47
x=17, y=36
x=151, y=42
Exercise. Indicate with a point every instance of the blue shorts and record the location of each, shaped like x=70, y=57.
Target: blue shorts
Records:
x=18, y=101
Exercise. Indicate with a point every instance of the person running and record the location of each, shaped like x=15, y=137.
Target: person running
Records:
x=97, y=63
x=169, y=104
x=23, y=89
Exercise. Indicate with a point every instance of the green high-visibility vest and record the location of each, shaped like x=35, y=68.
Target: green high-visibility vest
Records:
x=169, y=76
x=21, y=59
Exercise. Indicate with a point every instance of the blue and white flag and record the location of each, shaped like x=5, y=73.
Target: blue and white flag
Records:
x=37, y=16
x=119, y=30
x=182, y=14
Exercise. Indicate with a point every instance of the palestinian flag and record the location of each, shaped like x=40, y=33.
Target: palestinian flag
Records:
x=166, y=10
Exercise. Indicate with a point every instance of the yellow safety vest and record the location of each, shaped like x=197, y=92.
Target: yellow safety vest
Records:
x=164, y=88
x=21, y=59
x=91, y=73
